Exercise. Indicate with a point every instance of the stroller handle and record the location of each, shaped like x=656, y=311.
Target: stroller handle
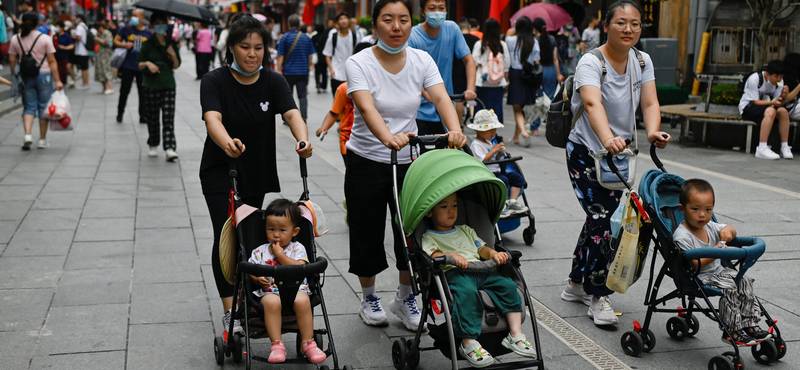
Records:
x=285, y=272
x=438, y=141
x=304, y=174
x=653, y=156
x=475, y=265
x=457, y=98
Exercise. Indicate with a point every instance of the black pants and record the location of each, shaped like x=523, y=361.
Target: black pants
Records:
x=321, y=74
x=429, y=127
x=301, y=82
x=203, y=61
x=127, y=83
x=218, y=209
x=160, y=103
x=335, y=85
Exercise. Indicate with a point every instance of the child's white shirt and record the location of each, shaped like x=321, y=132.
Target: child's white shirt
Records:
x=480, y=150
x=262, y=256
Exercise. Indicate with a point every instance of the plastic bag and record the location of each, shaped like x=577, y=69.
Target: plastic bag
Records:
x=631, y=247
x=616, y=217
x=59, y=111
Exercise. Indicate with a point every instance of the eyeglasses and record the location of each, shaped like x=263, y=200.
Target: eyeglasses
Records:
x=621, y=26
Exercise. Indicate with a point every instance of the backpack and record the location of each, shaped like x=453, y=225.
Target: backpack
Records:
x=28, y=66
x=494, y=69
x=336, y=37
x=560, y=120
x=743, y=81
x=562, y=45
x=89, y=39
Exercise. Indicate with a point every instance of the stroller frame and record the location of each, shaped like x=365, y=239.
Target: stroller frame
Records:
x=407, y=352
x=691, y=290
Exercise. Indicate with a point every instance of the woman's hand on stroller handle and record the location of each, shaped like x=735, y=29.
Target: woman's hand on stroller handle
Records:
x=304, y=149
x=233, y=148
x=659, y=139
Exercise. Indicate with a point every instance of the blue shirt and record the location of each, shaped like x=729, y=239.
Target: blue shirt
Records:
x=65, y=40
x=297, y=62
x=441, y=49
x=43, y=29
x=132, y=34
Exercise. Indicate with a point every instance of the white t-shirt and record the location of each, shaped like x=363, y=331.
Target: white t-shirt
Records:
x=480, y=150
x=481, y=59
x=685, y=240
x=397, y=99
x=344, y=49
x=752, y=92
x=262, y=256
x=80, y=46
x=10, y=23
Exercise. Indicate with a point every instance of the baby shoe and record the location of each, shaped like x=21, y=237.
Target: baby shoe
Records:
x=314, y=354
x=277, y=353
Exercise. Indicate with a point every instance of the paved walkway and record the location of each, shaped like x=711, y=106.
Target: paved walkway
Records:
x=105, y=253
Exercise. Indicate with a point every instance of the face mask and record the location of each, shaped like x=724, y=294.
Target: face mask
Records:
x=389, y=50
x=569, y=28
x=161, y=29
x=134, y=21
x=435, y=19
x=236, y=68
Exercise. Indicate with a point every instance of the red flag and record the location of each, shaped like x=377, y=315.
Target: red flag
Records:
x=310, y=11
x=497, y=8
x=87, y=4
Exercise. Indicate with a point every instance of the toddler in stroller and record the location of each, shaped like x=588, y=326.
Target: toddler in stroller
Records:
x=462, y=243
x=282, y=216
x=737, y=307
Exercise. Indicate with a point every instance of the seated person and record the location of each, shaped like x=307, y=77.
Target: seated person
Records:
x=764, y=103
x=282, y=216
x=737, y=306
x=486, y=148
x=464, y=245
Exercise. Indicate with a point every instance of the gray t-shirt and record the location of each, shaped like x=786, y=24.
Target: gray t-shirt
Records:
x=753, y=92
x=592, y=39
x=685, y=240
x=617, y=97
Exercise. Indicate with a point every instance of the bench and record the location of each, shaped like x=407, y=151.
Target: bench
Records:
x=686, y=114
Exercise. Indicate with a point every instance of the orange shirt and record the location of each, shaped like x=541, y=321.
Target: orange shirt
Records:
x=477, y=34
x=343, y=106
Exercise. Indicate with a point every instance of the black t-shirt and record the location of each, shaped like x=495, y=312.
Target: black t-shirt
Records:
x=248, y=114
x=459, y=68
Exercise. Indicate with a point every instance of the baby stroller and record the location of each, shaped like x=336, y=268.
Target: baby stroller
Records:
x=509, y=163
x=250, y=224
x=481, y=196
x=659, y=193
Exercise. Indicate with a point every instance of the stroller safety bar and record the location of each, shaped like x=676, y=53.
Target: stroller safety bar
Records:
x=428, y=141
x=285, y=272
x=750, y=249
x=504, y=160
x=475, y=265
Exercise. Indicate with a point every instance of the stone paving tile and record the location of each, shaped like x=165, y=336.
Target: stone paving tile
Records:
x=14, y=210
x=7, y=229
x=41, y=167
x=104, y=229
x=117, y=178
x=18, y=346
x=80, y=160
x=68, y=185
x=198, y=207
x=109, y=208
x=100, y=255
x=118, y=166
x=90, y=328
x=171, y=346
x=162, y=217
x=19, y=192
x=30, y=272
x=60, y=200
x=115, y=191
x=83, y=172
x=80, y=361
x=25, y=178
x=24, y=309
x=166, y=268
x=169, y=303
x=39, y=243
x=91, y=287
x=164, y=240
x=161, y=199
x=160, y=184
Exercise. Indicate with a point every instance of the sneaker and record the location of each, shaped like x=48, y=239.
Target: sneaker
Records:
x=601, y=311
x=476, y=355
x=109, y=92
x=42, y=143
x=312, y=351
x=758, y=334
x=171, y=155
x=526, y=141
x=741, y=339
x=372, y=312
x=277, y=353
x=226, y=322
x=786, y=152
x=72, y=84
x=407, y=311
x=575, y=293
x=516, y=207
x=506, y=213
x=84, y=87
x=153, y=152
x=119, y=117
x=26, y=142
x=766, y=153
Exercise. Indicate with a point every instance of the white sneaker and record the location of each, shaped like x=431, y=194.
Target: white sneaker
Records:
x=226, y=322
x=575, y=293
x=171, y=155
x=26, y=142
x=42, y=143
x=786, y=152
x=153, y=152
x=766, y=153
x=372, y=312
x=505, y=213
x=407, y=311
x=601, y=311
x=514, y=206
x=72, y=84
x=84, y=87
x=526, y=141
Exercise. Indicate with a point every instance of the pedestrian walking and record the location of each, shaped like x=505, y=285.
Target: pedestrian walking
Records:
x=386, y=83
x=321, y=68
x=203, y=51
x=4, y=38
x=81, y=36
x=64, y=45
x=131, y=37
x=524, y=49
x=103, y=72
x=573, y=37
x=158, y=58
x=551, y=71
x=338, y=48
x=590, y=39
x=295, y=51
x=493, y=60
x=221, y=42
x=37, y=75
x=608, y=121
x=239, y=103
x=459, y=68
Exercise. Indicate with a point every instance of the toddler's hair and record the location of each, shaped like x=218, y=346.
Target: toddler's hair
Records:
x=284, y=207
x=694, y=184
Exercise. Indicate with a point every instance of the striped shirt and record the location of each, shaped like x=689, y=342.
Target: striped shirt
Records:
x=297, y=63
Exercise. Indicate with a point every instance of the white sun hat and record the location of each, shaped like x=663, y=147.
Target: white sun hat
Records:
x=485, y=120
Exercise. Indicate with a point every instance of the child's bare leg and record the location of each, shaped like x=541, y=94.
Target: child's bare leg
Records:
x=466, y=342
x=783, y=124
x=514, y=323
x=515, y=190
x=272, y=316
x=305, y=318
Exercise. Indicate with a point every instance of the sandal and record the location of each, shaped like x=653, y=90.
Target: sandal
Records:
x=314, y=354
x=523, y=349
x=476, y=355
x=277, y=353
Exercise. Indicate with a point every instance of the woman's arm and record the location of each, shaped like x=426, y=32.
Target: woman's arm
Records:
x=216, y=130
x=447, y=112
x=362, y=99
x=560, y=77
x=299, y=131
x=596, y=112
x=651, y=112
x=51, y=60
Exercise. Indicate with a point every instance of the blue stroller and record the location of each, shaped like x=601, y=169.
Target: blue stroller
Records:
x=659, y=193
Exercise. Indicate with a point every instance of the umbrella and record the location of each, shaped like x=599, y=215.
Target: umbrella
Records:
x=554, y=15
x=179, y=9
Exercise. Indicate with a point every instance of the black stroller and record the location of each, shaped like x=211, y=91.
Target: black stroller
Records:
x=481, y=196
x=659, y=193
x=251, y=233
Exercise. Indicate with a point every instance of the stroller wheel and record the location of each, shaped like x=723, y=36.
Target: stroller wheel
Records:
x=765, y=352
x=720, y=363
x=631, y=343
x=693, y=324
x=781, y=345
x=219, y=350
x=738, y=363
x=238, y=344
x=677, y=327
x=399, y=354
x=527, y=236
x=648, y=340
x=412, y=354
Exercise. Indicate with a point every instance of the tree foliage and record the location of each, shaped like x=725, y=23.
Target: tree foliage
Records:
x=764, y=13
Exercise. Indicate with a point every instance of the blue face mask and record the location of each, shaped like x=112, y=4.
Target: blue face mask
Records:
x=160, y=29
x=236, y=68
x=134, y=21
x=435, y=19
x=389, y=50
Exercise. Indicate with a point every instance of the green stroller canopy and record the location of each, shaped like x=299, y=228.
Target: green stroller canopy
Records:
x=439, y=173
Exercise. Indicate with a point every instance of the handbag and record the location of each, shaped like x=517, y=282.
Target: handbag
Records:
x=625, y=161
x=631, y=247
x=532, y=74
x=118, y=57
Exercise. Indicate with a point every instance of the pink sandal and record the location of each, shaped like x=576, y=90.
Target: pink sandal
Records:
x=277, y=353
x=314, y=354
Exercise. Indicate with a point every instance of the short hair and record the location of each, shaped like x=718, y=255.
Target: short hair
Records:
x=775, y=67
x=621, y=4
x=60, y=24
x=79, y=16
x=423, y=3
x=158, y=15
x=376, y=10
x=284, y=207
x=294, y=21
x=473, y=22
x=341, y=14
x=243, y=26
x=463, y=24
x=361, y=46
x=694, y=184
x=593, y=16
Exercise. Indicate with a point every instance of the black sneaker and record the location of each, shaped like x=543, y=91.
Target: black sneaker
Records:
x=119, y=117
x=741, y=339
x=758, y=334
